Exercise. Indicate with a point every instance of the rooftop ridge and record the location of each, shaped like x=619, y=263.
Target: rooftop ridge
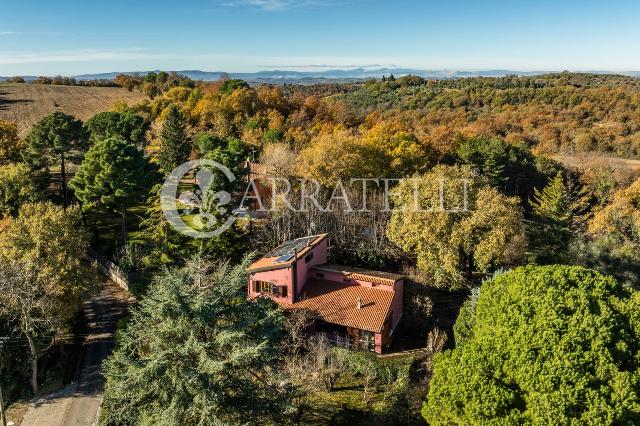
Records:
x=352, y=271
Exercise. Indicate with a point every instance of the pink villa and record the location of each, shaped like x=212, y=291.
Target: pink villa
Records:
x=361, y=304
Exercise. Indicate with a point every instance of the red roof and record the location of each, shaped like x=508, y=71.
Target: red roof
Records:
x=369, y=275
x=336, y=303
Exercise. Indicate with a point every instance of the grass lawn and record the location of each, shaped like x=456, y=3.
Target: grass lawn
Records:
x=346, y=404
x=108, y=227
x=108, y=224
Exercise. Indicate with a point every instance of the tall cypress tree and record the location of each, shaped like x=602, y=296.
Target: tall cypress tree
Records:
x=175, y=145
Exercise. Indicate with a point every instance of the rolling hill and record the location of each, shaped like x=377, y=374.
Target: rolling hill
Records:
x=25, y=104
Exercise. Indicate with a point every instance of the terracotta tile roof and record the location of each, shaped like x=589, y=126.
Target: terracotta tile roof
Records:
x=336, y=303
x=268, y=261
x=369, y=275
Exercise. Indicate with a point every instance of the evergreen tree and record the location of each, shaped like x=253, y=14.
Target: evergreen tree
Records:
x=197, y=351
x=556, y=209
x=511, y=168
x=489, y=156
x=175, y=145
x=549, y=345
x=113, y=175
x=55, y=139
x=128, y=125
x=167, y=243
x=207, y=142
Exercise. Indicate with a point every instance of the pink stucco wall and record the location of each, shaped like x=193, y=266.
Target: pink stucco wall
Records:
x=397, y=304
x=280, y=276
x=284, y=276
x=319, y=258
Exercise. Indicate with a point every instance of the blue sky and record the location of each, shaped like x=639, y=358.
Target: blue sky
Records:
x=73, y=37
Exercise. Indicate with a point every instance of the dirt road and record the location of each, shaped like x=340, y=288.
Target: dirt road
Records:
x=78, y=403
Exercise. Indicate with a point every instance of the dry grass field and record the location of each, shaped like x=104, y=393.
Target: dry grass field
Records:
x=595, y=159
x=25, y=104
x=624, y=170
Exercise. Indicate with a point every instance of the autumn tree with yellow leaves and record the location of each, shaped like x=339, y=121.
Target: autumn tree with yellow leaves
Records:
x=621, y=218
x=456, y=241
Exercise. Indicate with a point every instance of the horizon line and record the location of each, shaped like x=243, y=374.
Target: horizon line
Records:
x=337, y=68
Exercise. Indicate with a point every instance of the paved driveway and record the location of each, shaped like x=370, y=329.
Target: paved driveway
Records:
x=78, y=403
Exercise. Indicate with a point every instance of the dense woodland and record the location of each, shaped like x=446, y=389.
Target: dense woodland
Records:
x=526, y=304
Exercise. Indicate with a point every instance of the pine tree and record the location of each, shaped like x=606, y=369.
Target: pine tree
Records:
x=552, y=338
x=127, y=124
x=157, y=230
x=488, y=156
x=175, y=145
x=556, y=209
x=197, y=351
x=553, y=203
x=112, y=176
x=55, y=139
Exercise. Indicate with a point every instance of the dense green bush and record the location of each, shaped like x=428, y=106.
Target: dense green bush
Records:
x=550, y=345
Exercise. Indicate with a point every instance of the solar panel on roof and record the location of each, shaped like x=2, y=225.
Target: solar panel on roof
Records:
x=290, y=247
x=283, y=258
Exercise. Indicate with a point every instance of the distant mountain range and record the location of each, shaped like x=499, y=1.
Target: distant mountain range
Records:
x=291, y=76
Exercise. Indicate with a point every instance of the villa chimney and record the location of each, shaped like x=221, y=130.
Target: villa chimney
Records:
x=359, y=303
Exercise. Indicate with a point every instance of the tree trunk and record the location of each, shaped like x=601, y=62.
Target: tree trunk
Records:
x=3, y=417
x=63, y=181
x=124, y=224
x=62, y=360
x=34, y=364
x=96, y=234
x=82, y=215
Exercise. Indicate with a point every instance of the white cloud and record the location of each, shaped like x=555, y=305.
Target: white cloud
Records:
x=273, y=5
x=320, y=66
x=84, y=55
x=3, y=33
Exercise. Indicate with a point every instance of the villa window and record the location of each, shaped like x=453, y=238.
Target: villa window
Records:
x=270, y=288
x=308, y=258
x=263, y=286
